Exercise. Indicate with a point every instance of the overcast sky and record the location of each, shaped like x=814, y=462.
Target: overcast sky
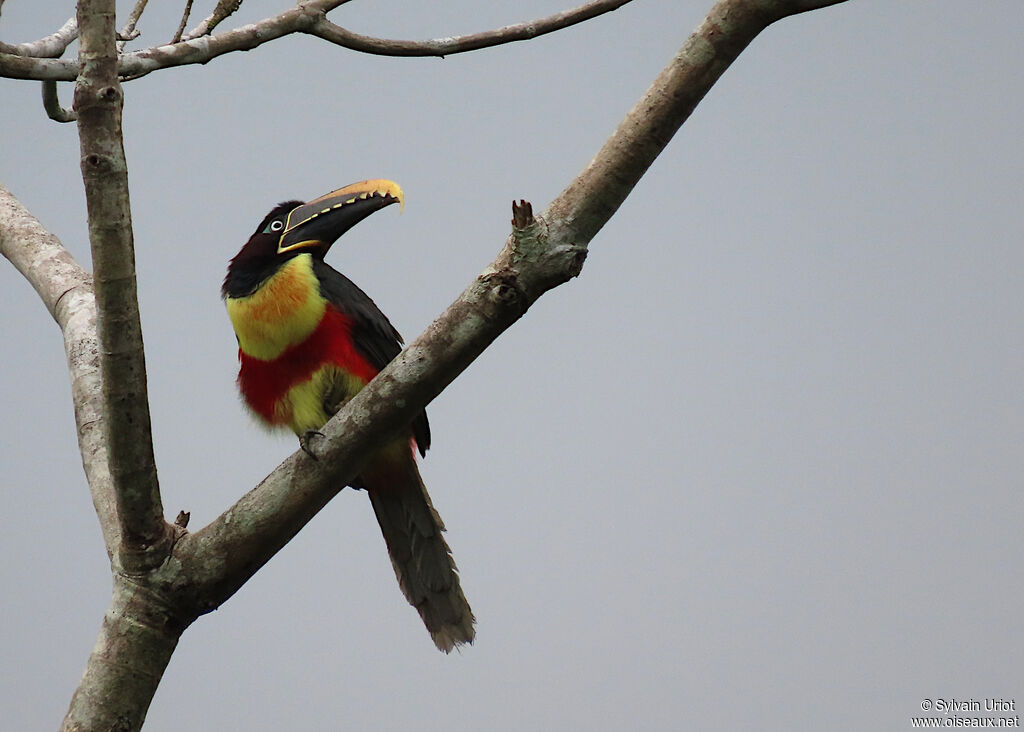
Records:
x=759, y=467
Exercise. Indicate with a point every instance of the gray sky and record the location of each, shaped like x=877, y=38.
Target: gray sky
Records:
x=758, y=467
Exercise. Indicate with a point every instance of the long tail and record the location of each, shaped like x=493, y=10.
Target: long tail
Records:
x=421, y=557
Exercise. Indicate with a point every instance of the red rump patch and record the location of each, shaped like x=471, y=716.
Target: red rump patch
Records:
x=265, y=383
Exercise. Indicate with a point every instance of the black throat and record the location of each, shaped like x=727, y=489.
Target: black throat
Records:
x=258, y=260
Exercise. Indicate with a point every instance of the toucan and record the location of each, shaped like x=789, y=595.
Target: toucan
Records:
x=308, y=340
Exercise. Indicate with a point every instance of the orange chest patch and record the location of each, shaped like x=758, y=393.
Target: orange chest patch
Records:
x=283, y=311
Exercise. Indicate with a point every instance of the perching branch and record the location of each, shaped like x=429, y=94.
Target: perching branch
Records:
x=540, y=254
x=125, y=403
x=66, y=291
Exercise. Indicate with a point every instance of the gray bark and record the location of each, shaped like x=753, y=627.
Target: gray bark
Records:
x=98, y=101
x=66, y=291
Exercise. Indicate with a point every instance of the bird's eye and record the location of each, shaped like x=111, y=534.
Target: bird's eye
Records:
x=275, y=225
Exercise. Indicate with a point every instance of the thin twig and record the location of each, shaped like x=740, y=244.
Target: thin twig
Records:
x=224, y=9
x=129, y=33
x=184, y=21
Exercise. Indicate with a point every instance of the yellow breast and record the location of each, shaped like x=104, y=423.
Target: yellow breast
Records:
x=282, y=312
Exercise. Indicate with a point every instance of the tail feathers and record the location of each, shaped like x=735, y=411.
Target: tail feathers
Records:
x=422, y=560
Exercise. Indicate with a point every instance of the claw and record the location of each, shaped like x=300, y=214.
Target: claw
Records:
x=306, y=442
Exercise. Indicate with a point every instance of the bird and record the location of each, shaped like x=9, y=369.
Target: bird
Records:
x=308, y=340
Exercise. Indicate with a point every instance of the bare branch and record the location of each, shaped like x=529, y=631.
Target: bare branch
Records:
x=459, y=44
x=13, y=66
x=98, y=102
x=540, y=254
x=51, y=103
x=184, y=21
x=66, y=291
x=20, y=61
x=203, y=49
x=306, y=17
x=196, y=51
x=224, y=9
x=591, y=199
x=52, y=46
x=129, y=32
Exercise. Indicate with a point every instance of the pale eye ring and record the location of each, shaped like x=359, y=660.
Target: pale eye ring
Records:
x=276, y=225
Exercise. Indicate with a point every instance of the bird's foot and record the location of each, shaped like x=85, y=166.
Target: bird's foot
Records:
x=306, y=442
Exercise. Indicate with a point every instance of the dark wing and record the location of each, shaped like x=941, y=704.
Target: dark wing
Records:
x=373, y=335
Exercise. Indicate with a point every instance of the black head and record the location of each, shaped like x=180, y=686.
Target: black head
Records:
x=294, y=228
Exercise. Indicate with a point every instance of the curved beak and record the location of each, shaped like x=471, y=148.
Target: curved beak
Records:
x=320, y=222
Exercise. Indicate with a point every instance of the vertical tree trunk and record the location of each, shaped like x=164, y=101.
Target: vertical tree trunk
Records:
x=98, y=102
x=134, y=646
x=139, y=633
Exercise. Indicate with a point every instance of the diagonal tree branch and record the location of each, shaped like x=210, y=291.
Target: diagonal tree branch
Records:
x=129, y=440
x=539, y=255
x=66, y=291
x=730, y=26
